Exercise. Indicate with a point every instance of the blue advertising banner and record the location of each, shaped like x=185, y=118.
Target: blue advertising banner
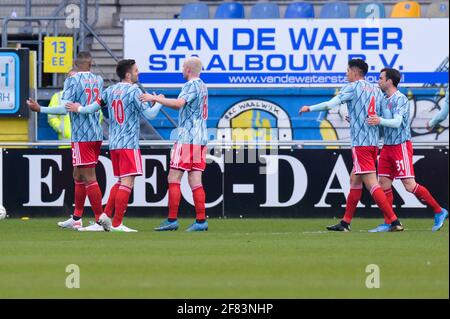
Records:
x=287, y=53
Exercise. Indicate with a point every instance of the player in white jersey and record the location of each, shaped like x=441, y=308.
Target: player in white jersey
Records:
x=441, y=115
x=189, y=152
x=86, y=136
x=396, y=157
x=363, y=100
x=125, y=110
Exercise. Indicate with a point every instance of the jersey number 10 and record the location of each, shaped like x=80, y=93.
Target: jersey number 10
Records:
x=119, y=114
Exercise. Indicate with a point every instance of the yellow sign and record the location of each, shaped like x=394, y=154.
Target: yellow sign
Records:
x=58, y=54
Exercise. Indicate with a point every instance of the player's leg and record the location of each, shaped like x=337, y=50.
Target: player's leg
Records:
x=366, y=162
x=422, y=193
x=377, y=193
x=121, y=205
x=80, y=194
x=353, y=199
x=75, y=221
x=109, y=208
x=94, y=194
x=87, y=158
x=105, y=218
x=197, y=166
x=386, y=170
x=195, y=182
x=179, y=163
x=386, y=186
x=174, y=181
x=93, y=191
x=80, y=188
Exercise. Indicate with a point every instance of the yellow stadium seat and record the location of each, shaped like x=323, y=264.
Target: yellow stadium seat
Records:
x=406, y=9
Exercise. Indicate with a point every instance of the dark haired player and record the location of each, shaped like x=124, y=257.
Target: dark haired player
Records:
x=396, y=157
x=86, y=134
x=363, y=100
x=125, y=109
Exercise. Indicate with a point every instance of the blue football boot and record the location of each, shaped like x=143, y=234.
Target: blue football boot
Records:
x=383, y=228
x=439, y=220
x=166, y=225
x=198, y=227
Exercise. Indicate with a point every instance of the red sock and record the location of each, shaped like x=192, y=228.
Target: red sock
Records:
x=95, y=198
x=111, y=200
x=424, y=196
x=382, y=202
x=122, y=197
x=80, y=198
x=390, y=198
x=199, y=201
x=174, y=200
x=353, y=199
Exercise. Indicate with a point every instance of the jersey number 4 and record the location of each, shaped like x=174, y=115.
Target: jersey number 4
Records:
x=371, y=110
x=119, y=114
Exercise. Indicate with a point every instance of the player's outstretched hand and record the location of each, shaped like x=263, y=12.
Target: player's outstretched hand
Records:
x=73, y=107
x=373, y=120
x=148, y=98
x=429, y=128
x=304, y=109
x=33, y=105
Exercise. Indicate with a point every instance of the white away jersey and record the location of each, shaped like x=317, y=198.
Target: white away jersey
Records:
x=84, y=88
x=192, y=118
x=363, y=99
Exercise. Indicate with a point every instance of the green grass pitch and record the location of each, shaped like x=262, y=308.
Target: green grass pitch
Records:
x=236, y=258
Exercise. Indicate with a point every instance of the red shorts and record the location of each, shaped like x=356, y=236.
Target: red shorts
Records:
x=85, y=154
x=396, y=161
x=364, y=159
x=188, y=157
x=126, y=162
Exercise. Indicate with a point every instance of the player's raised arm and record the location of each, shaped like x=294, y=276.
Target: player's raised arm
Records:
x=68, y=95
x=91, y=108
x=161, y=99
x=149, y=111
x=325, y=106
x=88, y=109
x=35, y=107
x=344, y=95
x=395, y=122
x=387, y=120
x=442, y=115
x=392, y=119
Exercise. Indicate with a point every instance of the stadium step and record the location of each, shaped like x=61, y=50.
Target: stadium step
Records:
x=105, y=64
x=115, y=46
